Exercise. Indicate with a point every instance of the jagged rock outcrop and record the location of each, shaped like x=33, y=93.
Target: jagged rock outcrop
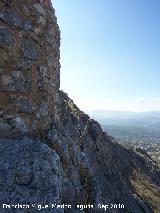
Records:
x=50, y=151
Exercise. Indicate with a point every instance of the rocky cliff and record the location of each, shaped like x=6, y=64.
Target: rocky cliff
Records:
x=30, y=68
x=51, y=153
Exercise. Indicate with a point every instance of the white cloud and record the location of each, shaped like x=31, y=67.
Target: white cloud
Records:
x=156, y=99
x=139, y=100
x=146, y=104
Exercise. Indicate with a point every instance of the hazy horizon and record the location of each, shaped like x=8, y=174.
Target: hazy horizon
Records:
x=110, y=110
x=107, y=114
x=110, y=53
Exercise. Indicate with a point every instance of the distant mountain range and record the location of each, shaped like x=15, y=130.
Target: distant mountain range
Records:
x=129, y=126
x=110, y=114
x=141, y=119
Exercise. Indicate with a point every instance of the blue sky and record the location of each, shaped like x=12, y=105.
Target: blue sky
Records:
x=110, y=53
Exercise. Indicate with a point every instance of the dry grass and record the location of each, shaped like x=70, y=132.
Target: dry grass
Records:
x=146, y=190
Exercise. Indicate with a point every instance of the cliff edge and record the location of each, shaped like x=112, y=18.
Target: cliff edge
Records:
x=51, y=153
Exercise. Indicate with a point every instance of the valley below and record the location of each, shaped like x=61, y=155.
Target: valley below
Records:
x=140, y=131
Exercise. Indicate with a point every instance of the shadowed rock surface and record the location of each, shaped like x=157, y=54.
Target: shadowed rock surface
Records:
x=50, y=151
x=30, y=173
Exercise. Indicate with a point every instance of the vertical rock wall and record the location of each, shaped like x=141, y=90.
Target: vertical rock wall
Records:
x=29, y=66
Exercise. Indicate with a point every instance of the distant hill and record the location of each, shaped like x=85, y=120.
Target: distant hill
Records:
x=108, y=114
x=149, y=119
x=133, y=129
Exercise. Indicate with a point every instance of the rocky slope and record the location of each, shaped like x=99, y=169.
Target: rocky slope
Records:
x=51, y=152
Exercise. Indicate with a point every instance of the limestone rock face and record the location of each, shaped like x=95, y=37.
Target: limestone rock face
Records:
x=50, y=151
x=29, y=65
x=99, y=170
x=30, y=173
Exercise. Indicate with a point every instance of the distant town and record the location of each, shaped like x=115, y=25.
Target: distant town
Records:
x=137, y=130
x=152, y=147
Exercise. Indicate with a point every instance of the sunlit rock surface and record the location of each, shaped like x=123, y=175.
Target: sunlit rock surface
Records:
x=29, y=66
